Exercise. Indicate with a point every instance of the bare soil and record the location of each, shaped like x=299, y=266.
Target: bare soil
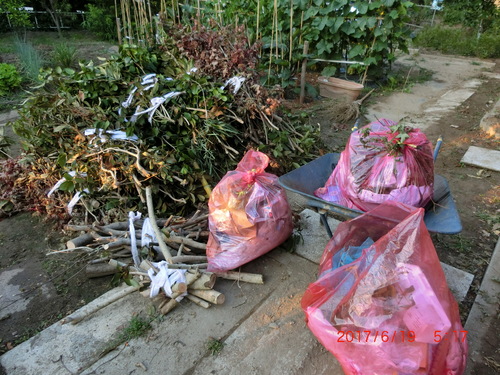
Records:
x=25, y=239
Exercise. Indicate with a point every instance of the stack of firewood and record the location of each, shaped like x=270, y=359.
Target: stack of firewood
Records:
x=185, y=238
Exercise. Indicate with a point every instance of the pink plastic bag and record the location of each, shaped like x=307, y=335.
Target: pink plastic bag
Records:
x=390, y=310
x=249, y=215
x=380, y=164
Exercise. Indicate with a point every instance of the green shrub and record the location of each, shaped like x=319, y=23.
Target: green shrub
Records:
x=459, y=41
x=9, y=78
x=64, y=56
x=100, y=22
x=202, y=131
x=488, y=46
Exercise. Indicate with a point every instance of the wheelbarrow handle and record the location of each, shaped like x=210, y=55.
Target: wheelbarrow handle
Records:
x=438, y=147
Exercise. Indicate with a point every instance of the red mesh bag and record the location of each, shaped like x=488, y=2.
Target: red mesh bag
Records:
x=389, y=310
x=382, y=161
x=249, y=214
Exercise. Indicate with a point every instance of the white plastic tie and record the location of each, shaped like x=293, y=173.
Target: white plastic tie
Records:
x=75, y=200
x=165, y=278
x=114, y=135
x=59, y=183
x=133, y=242
x=235, y=82
x=155, y=103
x=148, y=233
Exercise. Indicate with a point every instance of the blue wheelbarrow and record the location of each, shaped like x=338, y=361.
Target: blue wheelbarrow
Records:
x=441, y=214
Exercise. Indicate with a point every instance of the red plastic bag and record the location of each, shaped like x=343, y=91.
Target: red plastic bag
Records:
x=382, y=161
x=390, y=310
x=249, y=215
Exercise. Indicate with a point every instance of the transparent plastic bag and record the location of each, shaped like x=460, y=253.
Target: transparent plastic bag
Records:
x=382, y=161
x=388, y=311
x=249, y=214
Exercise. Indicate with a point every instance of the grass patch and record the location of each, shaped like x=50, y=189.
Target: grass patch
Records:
x=30, y=59
x=459, y=41
x=215, y=346
x=404, y=79
x=137, y=327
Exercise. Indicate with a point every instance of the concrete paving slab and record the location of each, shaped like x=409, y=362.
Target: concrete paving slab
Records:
x=458, y=281
x=482, y=158
x=275, y=338
x=180, y=341
x=492, y=75
x=67, y=348
x=313, y=235
x=269, y=314
x=483, y=322
x=457, y=97
x=11, y=300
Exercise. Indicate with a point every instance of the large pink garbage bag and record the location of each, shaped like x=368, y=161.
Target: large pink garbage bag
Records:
x=249, y=214
x=379, y=164
x=389, y=311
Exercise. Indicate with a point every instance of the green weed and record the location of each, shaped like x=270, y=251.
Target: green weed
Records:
x=215, y=346
x=64, y=56
x=137, y=327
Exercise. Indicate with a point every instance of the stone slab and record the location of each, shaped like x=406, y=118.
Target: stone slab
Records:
x=458, y=281
x=313, y=235
x=266, y=318
x=483, y=322
x=492, y=75
x=6, y=117
x=275, y=338
x=66, y=348
x=482, y=158
x=458, y=96
x=261, y=326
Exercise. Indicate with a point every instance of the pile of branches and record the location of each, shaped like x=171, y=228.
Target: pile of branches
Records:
x=181, y=128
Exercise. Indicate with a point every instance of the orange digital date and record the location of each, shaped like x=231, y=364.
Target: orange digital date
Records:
x=374, y=336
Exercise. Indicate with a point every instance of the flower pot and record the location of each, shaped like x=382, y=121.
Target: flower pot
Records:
x=332, y=87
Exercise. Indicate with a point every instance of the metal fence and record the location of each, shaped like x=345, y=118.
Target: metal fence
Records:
x=42, y=20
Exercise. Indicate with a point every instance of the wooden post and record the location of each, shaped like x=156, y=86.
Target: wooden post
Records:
x=152, y=219
x=303, y=74
x=253, y=278
x=211, y=296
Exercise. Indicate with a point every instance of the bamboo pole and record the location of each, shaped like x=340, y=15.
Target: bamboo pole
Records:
x=257, y=31
x=303, y=73
x=291, y=31
x=271, y=52
x=276, y=24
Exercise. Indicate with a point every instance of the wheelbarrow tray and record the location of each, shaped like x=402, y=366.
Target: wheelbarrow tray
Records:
x=441, y=214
